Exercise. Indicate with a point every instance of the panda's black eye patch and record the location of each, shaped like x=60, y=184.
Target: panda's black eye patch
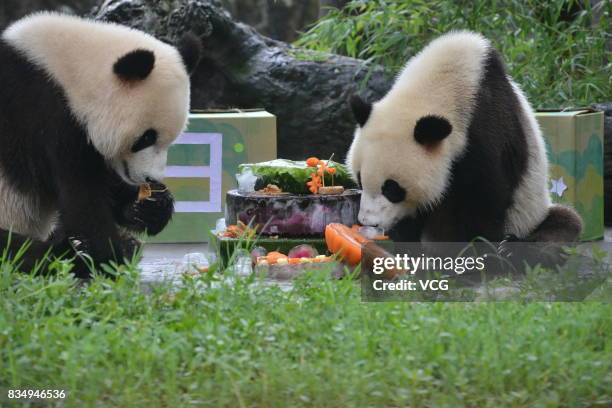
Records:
x=393, y=191
x=431, y=129
x=148, y=138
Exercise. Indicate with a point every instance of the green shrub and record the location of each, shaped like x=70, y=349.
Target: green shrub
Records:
x=555, y=49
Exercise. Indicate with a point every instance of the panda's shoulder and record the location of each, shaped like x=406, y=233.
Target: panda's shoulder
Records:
x=468, y=41
x=46, y=22
x=454, y=51
x=38, y=26
x=455, y=60
x=50, y=39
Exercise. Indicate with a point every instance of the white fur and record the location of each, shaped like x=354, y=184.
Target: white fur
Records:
x=23, y=214
x=442, y=79
x=149, y=162
x=79, y=55
x=531, y=199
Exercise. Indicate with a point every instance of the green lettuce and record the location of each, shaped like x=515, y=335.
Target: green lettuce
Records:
x=292, y=176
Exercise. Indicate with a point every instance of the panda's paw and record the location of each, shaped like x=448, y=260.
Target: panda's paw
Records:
x=504, y=248
x=153, y=213
x=130, y=246
x=79, y=247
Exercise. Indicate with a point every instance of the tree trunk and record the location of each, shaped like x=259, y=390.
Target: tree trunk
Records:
x=326, y=5
x=280, y=20
x=241, y=68
x=607, y=109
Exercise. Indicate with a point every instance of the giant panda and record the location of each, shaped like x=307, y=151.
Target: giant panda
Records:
x=87, y=112
x=453, y=153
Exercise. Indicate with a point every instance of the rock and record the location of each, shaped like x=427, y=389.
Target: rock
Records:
x=607, y=109
x=241, y=68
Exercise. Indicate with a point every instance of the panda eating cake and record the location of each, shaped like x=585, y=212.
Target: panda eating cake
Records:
x=87, y=113
x=453, y=152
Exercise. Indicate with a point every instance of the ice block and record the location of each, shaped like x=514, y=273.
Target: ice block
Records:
x=291, y=215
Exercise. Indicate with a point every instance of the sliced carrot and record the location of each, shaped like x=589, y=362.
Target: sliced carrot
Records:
x=294, y=260
x=314, y=183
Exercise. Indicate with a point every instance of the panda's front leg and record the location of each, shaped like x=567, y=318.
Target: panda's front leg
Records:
x=88, y=226
x=408, y=229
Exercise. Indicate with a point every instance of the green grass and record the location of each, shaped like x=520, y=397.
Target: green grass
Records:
x=210, y=343
x=559, y=61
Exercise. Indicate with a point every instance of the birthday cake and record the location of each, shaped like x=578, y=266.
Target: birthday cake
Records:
x=293, y=198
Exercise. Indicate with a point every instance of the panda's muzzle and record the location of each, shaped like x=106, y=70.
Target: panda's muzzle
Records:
x=377, y=210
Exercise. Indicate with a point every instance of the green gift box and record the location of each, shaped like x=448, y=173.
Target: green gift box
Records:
x=202, y=167
x=574, y=142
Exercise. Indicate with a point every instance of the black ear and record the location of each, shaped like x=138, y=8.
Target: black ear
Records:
x=190, y=48
x=431, y=129
x=135, y=65
x=361, y=109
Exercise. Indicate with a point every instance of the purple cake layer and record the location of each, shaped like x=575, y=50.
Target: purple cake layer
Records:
x=292, y=215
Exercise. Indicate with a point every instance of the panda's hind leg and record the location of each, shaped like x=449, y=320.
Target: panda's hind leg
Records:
x=35, y=253
x=562, y=224
x=545, y=244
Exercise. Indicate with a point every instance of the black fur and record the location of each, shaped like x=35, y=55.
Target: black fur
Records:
x=135, y=65
x=486, y=175
x=148, y=138
x=431, y=129
x=190, y=48
x=150, y=215
x=44, y=153
x=361, y=109
x=562, y=224
x=547, y=242
x=393, y=191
